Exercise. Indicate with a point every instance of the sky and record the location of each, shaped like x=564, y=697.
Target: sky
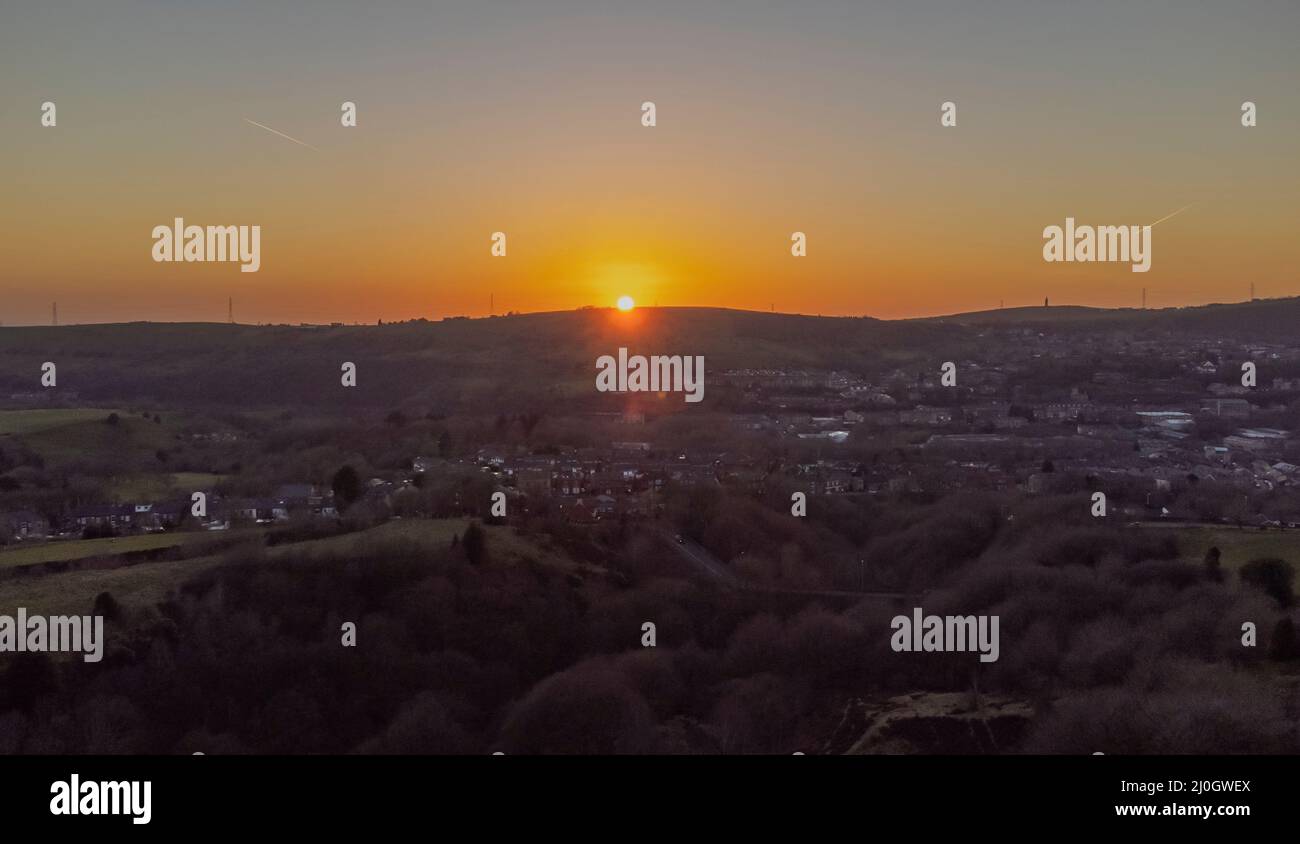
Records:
x=525, y=118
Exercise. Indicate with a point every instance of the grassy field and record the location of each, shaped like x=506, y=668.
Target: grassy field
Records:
x=78, y=549
x=75, y=591
x=159, y=486
x=1236, y=546
x=195, y=480
x=133, y=441
x=148, y=583
x=24, y=422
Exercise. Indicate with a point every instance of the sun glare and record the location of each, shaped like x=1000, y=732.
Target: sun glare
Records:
x=625, y=303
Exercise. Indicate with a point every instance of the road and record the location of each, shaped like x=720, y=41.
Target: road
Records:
x=700, y=559
x=703, y=561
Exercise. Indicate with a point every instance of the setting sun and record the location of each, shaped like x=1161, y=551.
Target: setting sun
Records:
x=625, y=303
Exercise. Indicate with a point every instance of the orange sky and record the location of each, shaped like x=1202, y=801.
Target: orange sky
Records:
x=528, y=123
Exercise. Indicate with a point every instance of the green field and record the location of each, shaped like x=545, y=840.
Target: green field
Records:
x=195, y=480
x=1236, y=546
x=75, y=591
x=158, y=486
x=78, y=549
x=132, y=442
x=24, y=422
x=129, y=489
x=148, y=583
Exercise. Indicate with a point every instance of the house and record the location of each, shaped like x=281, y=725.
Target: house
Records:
x=143, y=518
x=297, y=494
x=1257, y=440
x=535, y=482
x=306, y=498
x=606, y=506
x=1239, y=408
x=922, y=415
x=24, y=524
x=259, y=510
x=576, y=508
x=114, y=516
x=569, y=480
x=492, y=456
x=167, y=515
x=833, y=482
x=1244, y=444
x=1173, y=420
x=1060, y=411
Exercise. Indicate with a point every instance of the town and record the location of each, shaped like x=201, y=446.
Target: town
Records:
x=1165, y=429
x=1114, y=492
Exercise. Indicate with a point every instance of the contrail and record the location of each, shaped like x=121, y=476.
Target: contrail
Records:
x=1167, y=216
x=283, y=135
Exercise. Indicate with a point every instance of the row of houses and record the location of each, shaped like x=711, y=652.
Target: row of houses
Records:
x=288, y=501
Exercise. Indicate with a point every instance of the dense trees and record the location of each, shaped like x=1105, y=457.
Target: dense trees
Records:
x=346, y=484
x=1213, y=568
x=1273, y=577
x=529, y=641
x=474, y=544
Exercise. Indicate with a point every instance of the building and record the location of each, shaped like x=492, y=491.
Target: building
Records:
x=534, y=482
x=105, y=516
x=1171, y=420
x=922, y=415
x=1060, y=411
x=24, y=524
x=1233, y=408
x=258, y=510
x=1257, y=440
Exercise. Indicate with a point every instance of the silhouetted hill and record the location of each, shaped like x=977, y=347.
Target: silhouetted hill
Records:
x=521, y=360
x=1261, y=319
x=1037, y=314
x=453, y=363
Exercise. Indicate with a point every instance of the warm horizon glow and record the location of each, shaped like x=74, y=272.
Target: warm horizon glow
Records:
x=1106, y=112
